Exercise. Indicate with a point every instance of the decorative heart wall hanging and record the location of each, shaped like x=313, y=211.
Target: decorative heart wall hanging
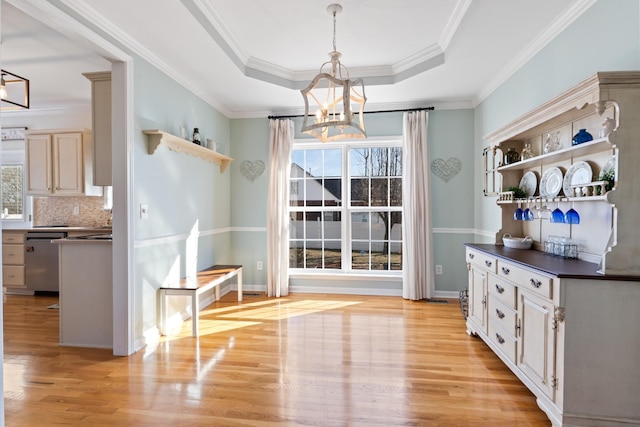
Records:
x=446, y=169
x=252, y=170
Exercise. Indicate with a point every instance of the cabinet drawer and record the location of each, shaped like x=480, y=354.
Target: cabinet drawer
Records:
x=526, y=278
x=13, y=275
x=12, y=238
x=501, y=315
x=503, y=340
x=502, y=290
x=13, y=254
x=485, y=261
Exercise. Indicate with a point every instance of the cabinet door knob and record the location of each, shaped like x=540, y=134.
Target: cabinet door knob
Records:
x=535, y=283
x=505, y=270
x=499, y=313
x=472, y=256
x=499, y=338
x=499, y=288
x=488, y=263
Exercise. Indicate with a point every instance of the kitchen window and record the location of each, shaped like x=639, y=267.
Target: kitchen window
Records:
x=346, y=206
x=16, y=205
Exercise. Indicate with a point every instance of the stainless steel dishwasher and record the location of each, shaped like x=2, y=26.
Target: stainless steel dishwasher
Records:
x=41, y=261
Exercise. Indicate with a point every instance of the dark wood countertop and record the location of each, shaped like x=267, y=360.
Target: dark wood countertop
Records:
x=549, y=264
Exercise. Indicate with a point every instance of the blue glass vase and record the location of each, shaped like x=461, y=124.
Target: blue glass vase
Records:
x=581, y=136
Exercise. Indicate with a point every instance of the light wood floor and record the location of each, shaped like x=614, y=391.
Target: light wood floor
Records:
x=304, y=360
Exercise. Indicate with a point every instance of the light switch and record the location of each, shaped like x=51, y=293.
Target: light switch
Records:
x=144, y=211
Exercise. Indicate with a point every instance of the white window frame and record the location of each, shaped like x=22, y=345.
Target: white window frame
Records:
x=17, y=158
x=345, y=208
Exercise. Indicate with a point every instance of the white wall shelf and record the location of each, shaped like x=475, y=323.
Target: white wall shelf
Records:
x=158, y=138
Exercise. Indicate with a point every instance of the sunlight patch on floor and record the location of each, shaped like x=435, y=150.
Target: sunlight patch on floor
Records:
x=285, y=310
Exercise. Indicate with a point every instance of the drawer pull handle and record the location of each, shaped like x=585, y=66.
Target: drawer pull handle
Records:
x=499, y=313
x=488, y=263
x=499, y=338
x=472, y=256
x=535, y=283
x=505, y=270
x=500, y=289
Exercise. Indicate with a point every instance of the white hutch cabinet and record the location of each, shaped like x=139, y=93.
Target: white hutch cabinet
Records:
x=569, y=329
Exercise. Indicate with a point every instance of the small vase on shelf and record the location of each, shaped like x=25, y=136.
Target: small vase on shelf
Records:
x=196, y=136
x=581, y=136
x=512, y=156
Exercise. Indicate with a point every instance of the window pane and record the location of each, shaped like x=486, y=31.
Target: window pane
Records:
x=12, y=192
x=313, y=162
x=312, y=225
x=332, y=225
x=395, y=161
x=395, y=192
x=296, y=251
x=379, y=161
x=297, y=160
x=333, y=256
x=313, y=255
x=379, y=192
x=332, y=163
x=359, y=258
x=333, y=192
x=359, y=162
x=360, y=192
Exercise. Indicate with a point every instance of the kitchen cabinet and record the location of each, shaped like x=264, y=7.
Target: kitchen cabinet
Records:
x=13, y=270
x=59, y=163
x=566, y=331
x=101, y=126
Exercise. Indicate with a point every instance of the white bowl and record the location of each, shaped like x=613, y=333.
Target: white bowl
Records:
x=517, y=242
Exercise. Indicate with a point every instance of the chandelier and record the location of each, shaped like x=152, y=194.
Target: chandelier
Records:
x=334, y=103
x=14, y=91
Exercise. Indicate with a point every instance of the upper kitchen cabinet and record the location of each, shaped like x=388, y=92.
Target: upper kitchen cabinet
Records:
x=101, y=122
x=60, y=163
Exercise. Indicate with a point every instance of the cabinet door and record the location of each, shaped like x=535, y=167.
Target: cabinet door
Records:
x=478, y=298
x=68, y=175
x=38, y=153
x=537, y=342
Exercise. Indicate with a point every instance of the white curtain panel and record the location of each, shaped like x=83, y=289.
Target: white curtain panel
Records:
x=280, y=146
x=417, y=240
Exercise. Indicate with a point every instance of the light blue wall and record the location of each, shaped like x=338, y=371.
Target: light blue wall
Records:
x=450, y=136
x=187, y=197
x=605, y=38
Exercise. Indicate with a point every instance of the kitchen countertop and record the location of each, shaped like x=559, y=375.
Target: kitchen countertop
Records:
x=549, y=264
x=98, y=229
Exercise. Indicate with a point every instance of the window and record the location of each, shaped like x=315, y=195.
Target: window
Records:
x=12, y=192
x=346, y=206
x=16, y=205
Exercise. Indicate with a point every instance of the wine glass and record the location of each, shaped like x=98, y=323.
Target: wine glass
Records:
x=572, y=216
x=518, y=214
x=557, y=215
x=527, y=214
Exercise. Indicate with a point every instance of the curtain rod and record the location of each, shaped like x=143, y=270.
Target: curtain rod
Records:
x=366, y=112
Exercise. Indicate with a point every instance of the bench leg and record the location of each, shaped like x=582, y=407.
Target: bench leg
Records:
x=240, y=284
x=218, y=292
x=164, y=322
x=195, y=314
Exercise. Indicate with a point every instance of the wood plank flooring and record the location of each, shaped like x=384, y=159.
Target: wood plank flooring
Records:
x=303, y=360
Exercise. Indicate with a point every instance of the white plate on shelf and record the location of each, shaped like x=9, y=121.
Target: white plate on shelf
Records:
x=529, y=183
x=578, y=173
x=551, y=183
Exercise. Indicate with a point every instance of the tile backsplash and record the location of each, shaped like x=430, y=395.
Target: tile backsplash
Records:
x=59, y=210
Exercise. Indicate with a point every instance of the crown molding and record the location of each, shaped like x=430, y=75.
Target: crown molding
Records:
x=556, y=27
x=92, y=15
x=459, y=12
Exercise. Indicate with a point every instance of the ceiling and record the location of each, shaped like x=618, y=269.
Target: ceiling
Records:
x=249, y=58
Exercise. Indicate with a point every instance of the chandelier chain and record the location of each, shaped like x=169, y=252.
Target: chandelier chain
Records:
x=334, y=31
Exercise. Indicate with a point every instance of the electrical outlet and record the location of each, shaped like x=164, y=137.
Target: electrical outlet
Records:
x=144, y=211
x=259, y=265
x=438, y=269
x=76, y=210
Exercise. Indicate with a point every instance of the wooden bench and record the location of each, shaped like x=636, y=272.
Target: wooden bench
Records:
x=206, y=280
